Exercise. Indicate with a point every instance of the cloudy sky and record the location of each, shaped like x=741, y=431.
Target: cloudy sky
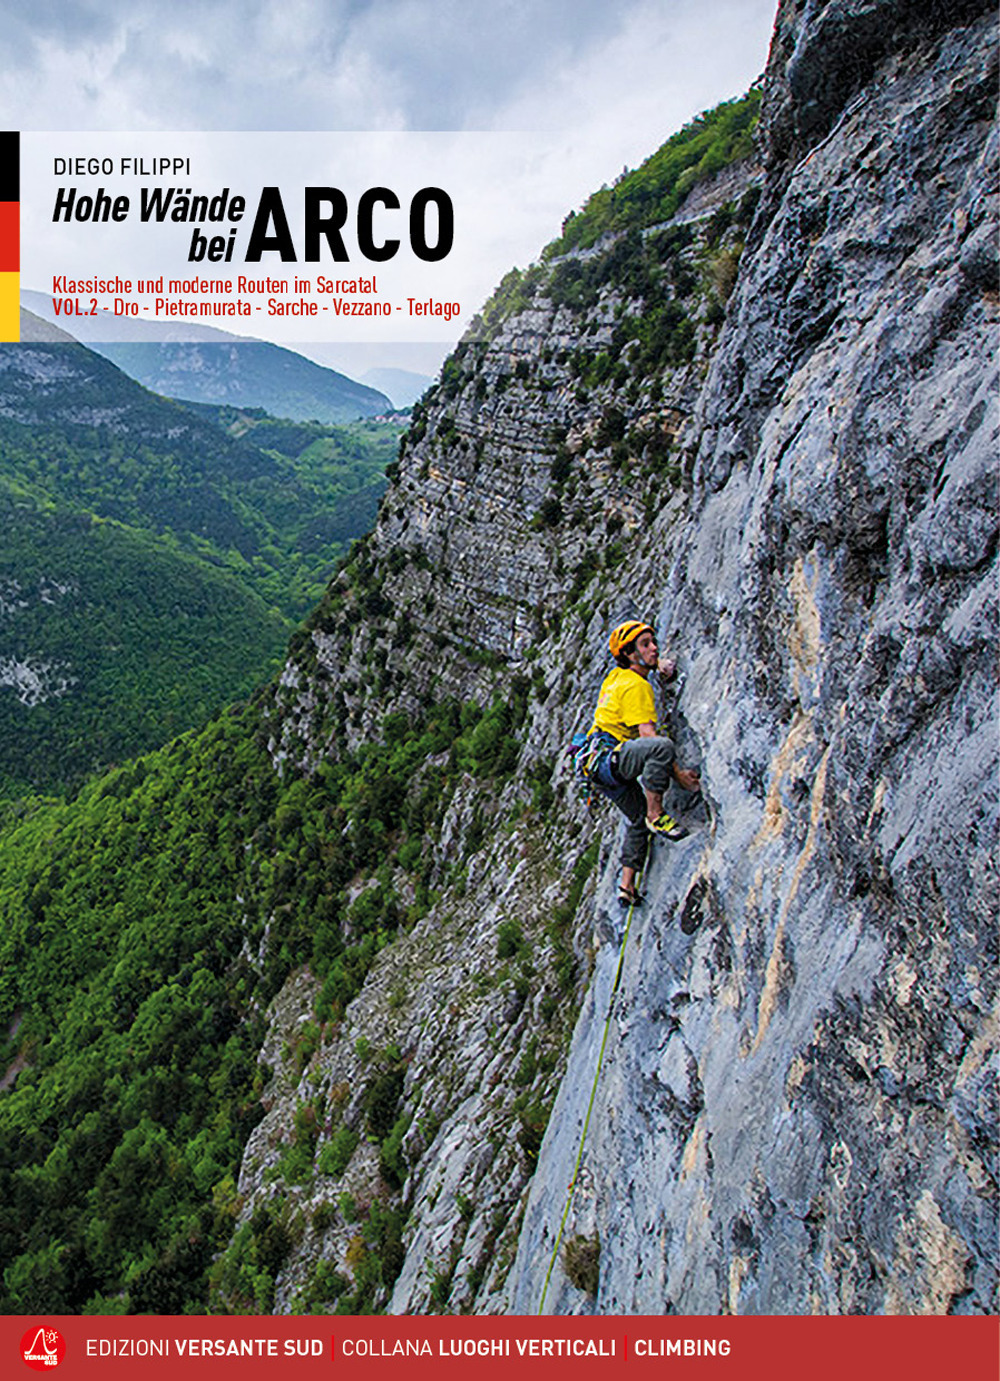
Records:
x=590, y=86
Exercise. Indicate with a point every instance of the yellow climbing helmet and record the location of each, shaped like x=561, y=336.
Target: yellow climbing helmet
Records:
x=626, y=633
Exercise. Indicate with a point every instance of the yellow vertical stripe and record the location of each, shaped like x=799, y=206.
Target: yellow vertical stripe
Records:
x=10, y=306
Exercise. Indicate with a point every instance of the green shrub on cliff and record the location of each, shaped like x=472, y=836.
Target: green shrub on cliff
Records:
x=655, y=190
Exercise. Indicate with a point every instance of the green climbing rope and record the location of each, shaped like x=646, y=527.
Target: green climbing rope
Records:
x=590, y=1106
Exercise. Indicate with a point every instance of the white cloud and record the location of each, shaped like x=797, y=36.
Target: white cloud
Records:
x=591, y=86
x=371, y=64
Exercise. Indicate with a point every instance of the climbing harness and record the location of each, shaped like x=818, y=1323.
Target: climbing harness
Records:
x=571, y=1193
x=595, y=763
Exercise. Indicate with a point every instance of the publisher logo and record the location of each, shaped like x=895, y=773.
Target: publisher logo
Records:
x=43, y=1348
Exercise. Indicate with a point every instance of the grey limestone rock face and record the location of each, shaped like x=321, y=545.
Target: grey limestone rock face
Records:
x=794, y=1113
x=796, y=1110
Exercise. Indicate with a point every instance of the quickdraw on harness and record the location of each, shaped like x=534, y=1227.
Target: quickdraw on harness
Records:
x=595, y=763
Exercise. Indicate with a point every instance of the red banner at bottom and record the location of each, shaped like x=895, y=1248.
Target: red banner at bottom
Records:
x=408, y=1349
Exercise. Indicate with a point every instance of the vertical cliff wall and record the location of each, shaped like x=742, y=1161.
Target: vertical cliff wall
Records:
x=796, y=1111
x=795, y=475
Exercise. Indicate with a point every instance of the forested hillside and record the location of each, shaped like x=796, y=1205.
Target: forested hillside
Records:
x=154, y=560
x=146, y=927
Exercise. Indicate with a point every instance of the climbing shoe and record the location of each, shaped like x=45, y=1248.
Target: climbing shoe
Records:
x=629, y=897
x=666, y=827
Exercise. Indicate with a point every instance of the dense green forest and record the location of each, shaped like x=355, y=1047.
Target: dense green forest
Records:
x=332, y=480
x=244, y=505
x=155, y=558
x=133, y=642
x=128, y=997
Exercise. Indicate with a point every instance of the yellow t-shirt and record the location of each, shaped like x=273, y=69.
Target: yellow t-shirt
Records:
x=625, y=702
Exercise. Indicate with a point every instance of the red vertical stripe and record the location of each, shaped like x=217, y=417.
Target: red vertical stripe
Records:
x=10, y=237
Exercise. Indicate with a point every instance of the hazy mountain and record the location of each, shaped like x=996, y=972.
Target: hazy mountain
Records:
x=35, y=329
x=202, y=364
x=403, y=386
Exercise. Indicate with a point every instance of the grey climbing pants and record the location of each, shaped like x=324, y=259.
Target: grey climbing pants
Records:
x=652, y=760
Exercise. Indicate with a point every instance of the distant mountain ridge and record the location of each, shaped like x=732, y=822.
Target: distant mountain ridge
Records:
x=403, y=386
x=201, y=364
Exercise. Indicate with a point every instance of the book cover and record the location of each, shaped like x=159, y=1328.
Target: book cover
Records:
x=409, y=351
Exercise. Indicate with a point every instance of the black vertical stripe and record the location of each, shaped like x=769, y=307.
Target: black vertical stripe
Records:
x=10, y=165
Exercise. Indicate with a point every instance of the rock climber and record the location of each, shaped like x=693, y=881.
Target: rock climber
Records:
x=628, y=756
